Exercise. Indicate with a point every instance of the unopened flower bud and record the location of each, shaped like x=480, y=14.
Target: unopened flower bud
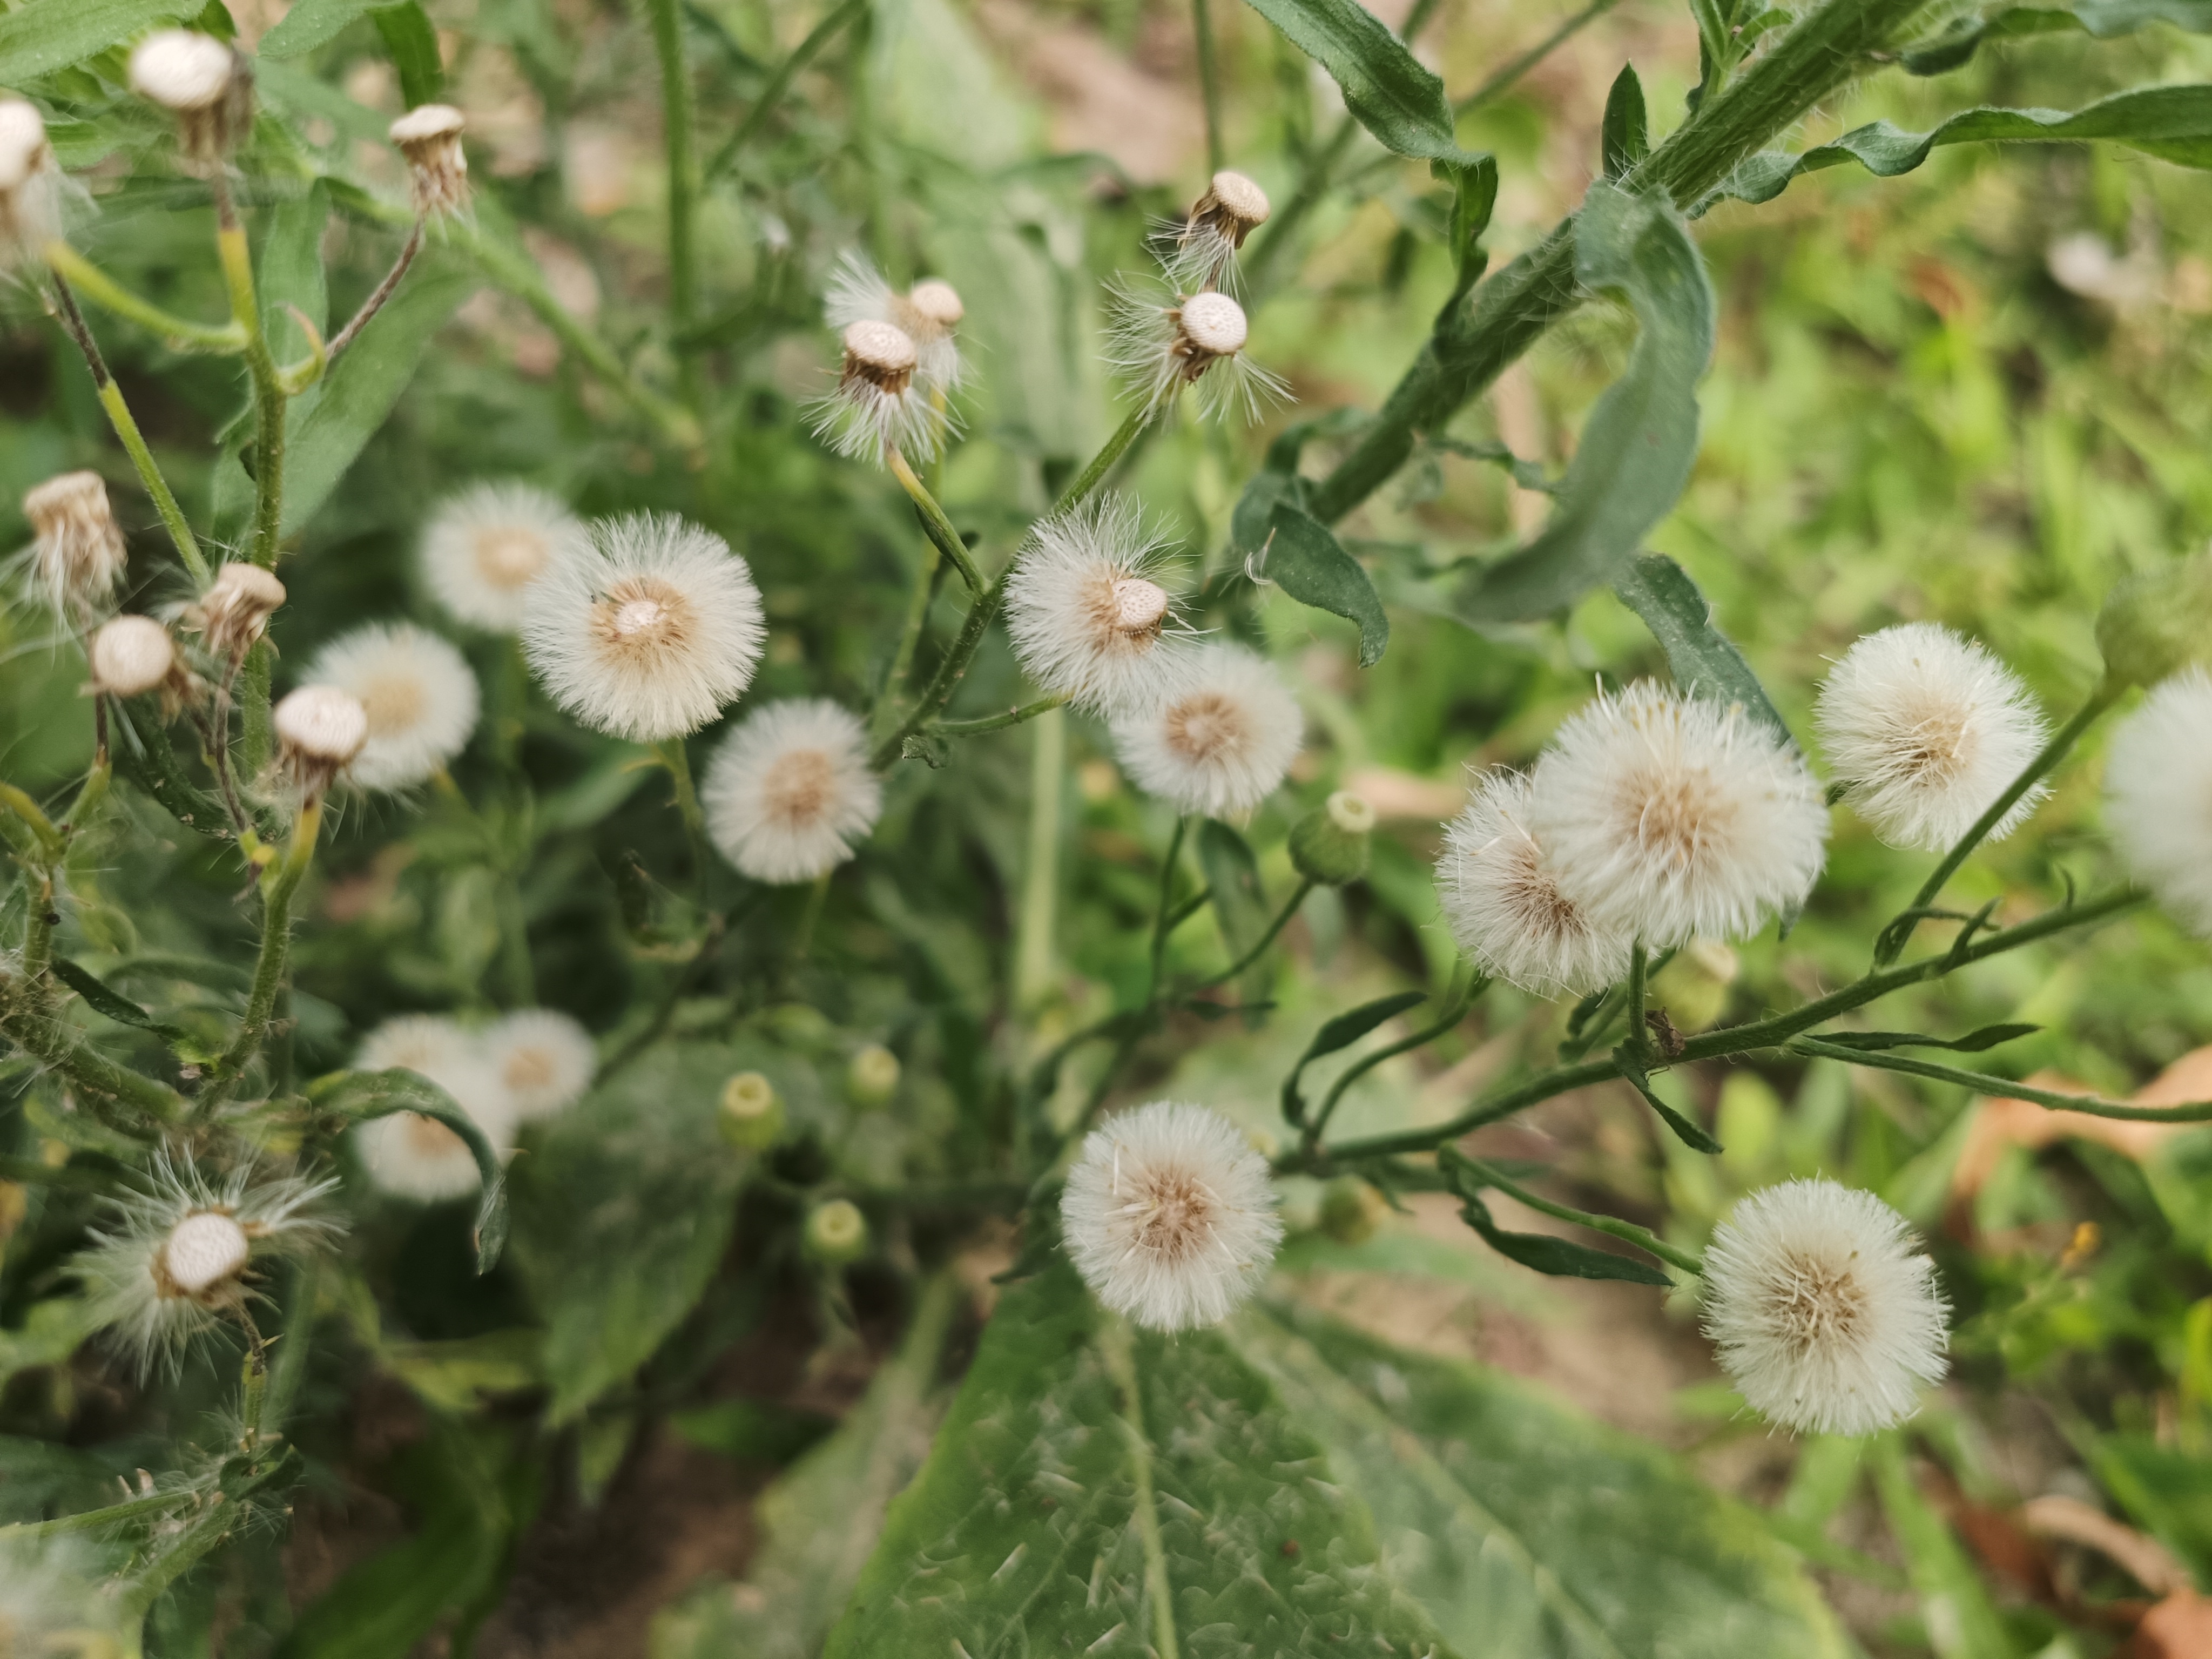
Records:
x=236, y=608
x=872, y=1078
x=837, y=1233
x=751, y=1115
x=320, y=729
x=881, y=354
x=1329, y=844
x=1351, y=1211
x=131, y=656
x=430, y=136
x=201, y=80
x=2156, y=623
x=202, y=1253
x=30, y=193
x=80, y=555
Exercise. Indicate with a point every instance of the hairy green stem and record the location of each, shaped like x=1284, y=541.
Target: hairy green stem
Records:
x=375, y=302
x=1028, y=711
x=780, y=82
x=1282, y=920
x=1986, y=1083
x=667, y=17
x=1034, y=929
x=1163, y=913
x=278, y=886
x=1627, y=1231
x=1638, y=1035
x=104, y=290
x=934, y=523
x=1102, y=463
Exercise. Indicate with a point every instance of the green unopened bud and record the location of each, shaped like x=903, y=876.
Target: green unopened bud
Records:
x=1351, y=1211
x=1329, y=844
x=872, y=1078
x=799, y=1025
x=1693, y=987
x=837, y=1233
x=2156, y=623
x=752, y=1112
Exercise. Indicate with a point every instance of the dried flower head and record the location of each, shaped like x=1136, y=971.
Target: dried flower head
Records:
x=79, y=554
x=133, y=655
x=881, y=404
x=235, y=612
x=419, y=695
x=2158, y=795
x=1164, y=342
x=417, y=1157
x=1208, y=239
x=789, y=792
x=649, y=632
x=320, y=729
x=430, y=136
x=544, y=1060
x=30, y=186
x=1219, y=738
x=929, y=314
x=1502, y=900
x=1928, y=728
x=201, y=80
x=1087, y=618
x=175, y=1259
x=485, y=546
x=1169, y=1215
x=1823, y=1309
x=1667, y=817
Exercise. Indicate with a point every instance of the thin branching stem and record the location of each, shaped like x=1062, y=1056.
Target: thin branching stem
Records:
x=934, y=523
x=280, y=884
x=1209, y=83
x=1015, y=716
x=383, y=290
x=667, y=17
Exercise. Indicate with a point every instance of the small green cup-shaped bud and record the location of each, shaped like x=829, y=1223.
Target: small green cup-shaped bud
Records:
x=1693, y=988
x=800, y=1024
x=837, y=1233
x=872, y=1078
x=1351, y=1211
x=751, y=1115
x=1329, y=844
x=2156, y=623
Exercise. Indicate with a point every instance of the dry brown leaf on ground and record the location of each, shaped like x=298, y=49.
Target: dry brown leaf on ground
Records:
x=2179, y=1627
x=2146, y=1560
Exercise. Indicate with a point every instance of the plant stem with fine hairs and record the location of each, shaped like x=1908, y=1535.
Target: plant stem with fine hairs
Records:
x=667, y=17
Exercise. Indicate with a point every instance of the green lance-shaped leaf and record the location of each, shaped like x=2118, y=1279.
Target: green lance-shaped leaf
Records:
x=1561, y=1258
x=412, y=44
x=1973, y=1043
x=1284, y=543
x=1385, y=86
x=103, y=998
x=1702, y=658
x=2172, y=123
x=1099, y=1491
x=1625, y=137
x=309, y=24
x=1239, y=900
x=364, y=1096
x=1341, y=1032
x=1690, y=1133
x=1958, y=41
x=51, y=34
x=1637, y=448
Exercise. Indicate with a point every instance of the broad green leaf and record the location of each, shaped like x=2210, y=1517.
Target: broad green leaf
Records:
x=40, y=1478
x=1625, y=137
x=1523, y=1529
x=622, y=1212
x=1561, y=1258
x=1303, y=558
x=2172, y=123
x=47, y=35
x=412, y=44
x=455, y=1374
x=2105, y=19
x=1341, y=1032
x=309, y=24
x=1096, y=1491
x=1635, y=449
x=1702, y=658
x=1385, y=86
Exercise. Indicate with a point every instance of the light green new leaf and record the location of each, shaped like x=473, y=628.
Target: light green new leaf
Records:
x=51, y=34
x=1385, y=86
x=622, y=1212
x=1098, y=1492
x=1636, y=450
x=1702, y=658
x=309, y=24
x=2172, y=123
x=2105, y=19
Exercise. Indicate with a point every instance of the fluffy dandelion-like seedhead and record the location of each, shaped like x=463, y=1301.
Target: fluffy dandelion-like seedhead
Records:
x=1163, y=344
x=79, y=554
x=430, y=136
x=1928, y=728
x=320, y=729
x=173, y=1261
x=202, y=82
x=418, y=692
x=1087, y=618
x=30, y=186
x=1668, y=817
x=649, y=632
x=1169, y=1215
x=881, y=403
x=1219, y=738
x=929, y=314
x=1502, y=900
x=1823, y=1309
x=2158, y=795
x=544, y=1060
x=790, y=793
x=1206, y=241
x=235, y=610
x=132, y=655
x=417, y=1157
x=485, y=546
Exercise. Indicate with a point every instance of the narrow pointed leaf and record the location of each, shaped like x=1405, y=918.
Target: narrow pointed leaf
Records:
x=1303, y=557
x=1972, y=1044
x=104, y=1000
x=1342, y=1032
x=1562, y=1258
x=364, y=1096
x=1625, y=138
x=1701, y=658
x=1385, y=86
x=1691, y=1135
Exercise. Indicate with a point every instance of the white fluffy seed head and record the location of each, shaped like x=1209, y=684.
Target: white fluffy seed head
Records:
x=2158, y=795
x=1667, y=817
x=202, y=1253
x=1219, y=738
x=544, y=1060
x=202, y=82
x=130, y=656
x=1087, y=618
x=30, y=186
x=789, y=794
x=430, y=136
x=485, y=547
x=1169, y=1215
x=648, y=632
x=320, y=729
x=881, y=403
x=1202, y=249
x=79, y=554
x=927, y=314
x=1928, y=728
x=1212, y=326
x=1823, y=1309
x=416, y=1157
x=1501, y=898
x=419, y=695
x=23, y=146
x=235, y=610
x=1163, y=344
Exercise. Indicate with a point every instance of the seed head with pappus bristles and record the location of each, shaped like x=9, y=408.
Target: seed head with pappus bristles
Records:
x=1164, y=343
x=1169, y=1215
x=417, y=1157
x=929, y=314
x=201, y=80
x=30, y=186
x=1670, y=818
x=1087, y=617
x=1219, y=737
x=2158, y=795
x=881, y=403
x=485, y=547
x=1204, y=243
x=235, y=610
x=543, y=1059
x=131, y=656
x=174, y=1259
x=789, y=794
x=430, y=136
x=79, y=555
x=418, y=692
x=1823, y=1309
x=1502, y=900
x=320, y=729
x=1928, y=728
x=649, y=632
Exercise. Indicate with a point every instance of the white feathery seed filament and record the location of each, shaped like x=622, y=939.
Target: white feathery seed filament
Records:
x=485, y=547
x=1087, y=619
x=880, y=404
x=418, y=692
x=430, y=136
x=1502, y=900
x=1219, y=738
x=79, y=554
x=2158, y=795
x=1163, y=344
x=1205, y=243
x=929, y=314
x=235, y=612
x=789, y=794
